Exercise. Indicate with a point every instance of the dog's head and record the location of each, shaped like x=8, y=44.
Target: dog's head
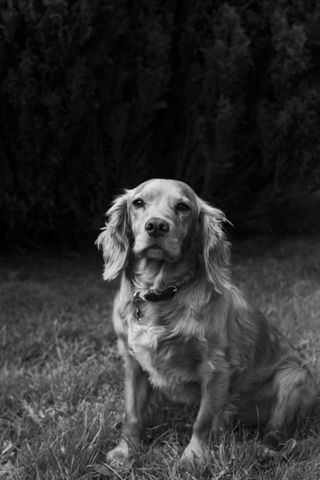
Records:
x=166, y=221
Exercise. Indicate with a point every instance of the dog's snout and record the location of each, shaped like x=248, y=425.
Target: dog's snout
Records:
x=156, y=227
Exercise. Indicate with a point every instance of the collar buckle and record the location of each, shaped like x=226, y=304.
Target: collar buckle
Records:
x=152, y=296
x=137, y=300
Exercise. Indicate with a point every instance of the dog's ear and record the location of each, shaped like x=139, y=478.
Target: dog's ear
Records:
x=215, y=248
x=115, y=237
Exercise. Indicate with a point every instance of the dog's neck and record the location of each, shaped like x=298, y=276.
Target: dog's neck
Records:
x=148, y=273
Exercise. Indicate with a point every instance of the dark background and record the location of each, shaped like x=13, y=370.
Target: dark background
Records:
x=100, y=95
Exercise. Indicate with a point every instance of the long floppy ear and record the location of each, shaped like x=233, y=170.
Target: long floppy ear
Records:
x=114, y=239
x=215, y=248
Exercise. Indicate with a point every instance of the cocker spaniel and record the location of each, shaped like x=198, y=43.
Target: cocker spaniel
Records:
x=185, y=329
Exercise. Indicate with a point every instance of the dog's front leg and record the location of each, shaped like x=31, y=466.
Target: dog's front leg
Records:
x=137, y=390
x=214, y=395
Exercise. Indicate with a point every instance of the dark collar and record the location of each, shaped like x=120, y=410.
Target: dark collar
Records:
x=152, y=296
x=155, y=296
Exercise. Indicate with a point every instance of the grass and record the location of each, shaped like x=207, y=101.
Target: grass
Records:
x=61, y=379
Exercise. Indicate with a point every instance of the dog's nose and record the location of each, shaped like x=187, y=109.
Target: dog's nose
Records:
x=156, y=227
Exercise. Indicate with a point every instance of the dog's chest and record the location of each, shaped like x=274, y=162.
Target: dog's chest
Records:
x=167, y=354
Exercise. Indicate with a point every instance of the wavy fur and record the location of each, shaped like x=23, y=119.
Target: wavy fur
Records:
x=114, y=239
x=207, y=345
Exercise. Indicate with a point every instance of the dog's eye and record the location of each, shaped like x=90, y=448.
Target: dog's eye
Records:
x=182, y=207
x=138, y=203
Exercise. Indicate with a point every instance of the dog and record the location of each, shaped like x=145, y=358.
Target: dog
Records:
x=185, y=329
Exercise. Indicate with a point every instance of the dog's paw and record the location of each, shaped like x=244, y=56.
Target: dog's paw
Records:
x=269, y=446
x=194, y=457
x=264, y=453
x=272, y=440
x=119, y=456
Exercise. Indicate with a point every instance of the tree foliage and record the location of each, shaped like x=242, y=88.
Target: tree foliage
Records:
x=98, y=95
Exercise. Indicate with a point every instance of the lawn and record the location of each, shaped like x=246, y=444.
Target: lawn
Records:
x=61, y=377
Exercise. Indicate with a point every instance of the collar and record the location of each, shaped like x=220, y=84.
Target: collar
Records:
x=154, y=296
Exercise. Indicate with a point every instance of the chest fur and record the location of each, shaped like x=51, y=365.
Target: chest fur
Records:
x=171, y=355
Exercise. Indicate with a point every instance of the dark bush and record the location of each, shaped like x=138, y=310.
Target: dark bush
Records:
x=96, y=95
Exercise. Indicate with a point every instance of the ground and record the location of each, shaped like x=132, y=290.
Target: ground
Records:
x=61, y=379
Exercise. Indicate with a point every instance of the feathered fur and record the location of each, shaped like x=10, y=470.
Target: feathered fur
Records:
x=114, y=239
x=206, y=344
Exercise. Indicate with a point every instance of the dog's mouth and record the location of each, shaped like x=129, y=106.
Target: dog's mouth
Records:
x=155, y=251
x=154, y=247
